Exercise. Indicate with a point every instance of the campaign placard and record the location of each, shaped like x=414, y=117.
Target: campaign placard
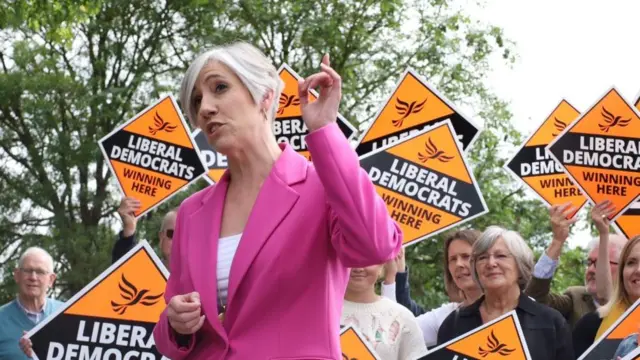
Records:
x=112, y=317
x=605, y=347
x=534, y=166
x=152, y=155
x=628, y=224
x=288, y=126
x=601, y=152
x=501, y=338
x=215, y=162
x=414, y=106
x=426, y=183
x=354, y=346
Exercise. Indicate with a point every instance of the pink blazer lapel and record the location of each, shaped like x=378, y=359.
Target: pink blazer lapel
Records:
x=274, y=202
x=203, y=252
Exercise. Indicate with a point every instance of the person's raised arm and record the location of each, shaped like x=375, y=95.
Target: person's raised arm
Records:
x=604, y=283
x=539, y=287
x=126, y=238
x=362, y=231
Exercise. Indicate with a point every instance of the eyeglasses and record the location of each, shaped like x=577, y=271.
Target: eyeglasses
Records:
x=589, y=262
x=498, y=258
x=37, y=272
x=169, y=233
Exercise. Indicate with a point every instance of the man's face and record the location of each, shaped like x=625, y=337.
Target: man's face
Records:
x=166, y=235
x=34, y=277
x=590, y=271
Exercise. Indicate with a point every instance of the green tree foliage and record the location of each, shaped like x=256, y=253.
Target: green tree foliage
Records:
x=71, y=71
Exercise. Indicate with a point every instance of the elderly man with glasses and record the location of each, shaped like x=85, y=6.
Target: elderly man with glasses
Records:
x=576, y=301
x=34, y=276
x=127, y=237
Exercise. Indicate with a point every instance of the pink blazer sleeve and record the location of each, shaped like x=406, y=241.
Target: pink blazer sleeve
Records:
x=362, y=232
x=163, y=334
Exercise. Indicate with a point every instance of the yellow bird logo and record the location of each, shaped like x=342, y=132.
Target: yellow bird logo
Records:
x=494, y=347
x=432, y=152
x=560, y=126
x=133, y=297
x=611, y=120
x=285, y=101
x=161, y=125
x=405, y=109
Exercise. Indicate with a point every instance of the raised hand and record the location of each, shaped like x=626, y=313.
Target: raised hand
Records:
x=324, y=110
x=600, y=215
x=128, y=206
x=559, y=222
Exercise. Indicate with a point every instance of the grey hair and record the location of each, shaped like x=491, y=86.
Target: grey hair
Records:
x=616, y=242
x=253, y=68
x=34, y=250
x=516, y=245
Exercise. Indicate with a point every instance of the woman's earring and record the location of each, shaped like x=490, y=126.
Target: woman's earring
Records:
x=264, y=114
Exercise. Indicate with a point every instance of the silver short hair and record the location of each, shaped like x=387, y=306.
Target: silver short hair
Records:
x=616, y=242
x=253, y=68
x=516, y=245
x=34, y=250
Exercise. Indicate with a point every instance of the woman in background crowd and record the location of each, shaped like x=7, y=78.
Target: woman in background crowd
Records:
x=502, y=264
x=626, y=292
x=457, y=278
x=389, y=327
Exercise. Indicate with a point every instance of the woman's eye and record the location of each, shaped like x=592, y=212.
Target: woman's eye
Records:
x=221, y=87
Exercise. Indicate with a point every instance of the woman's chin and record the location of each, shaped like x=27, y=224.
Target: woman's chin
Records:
x=221, y=144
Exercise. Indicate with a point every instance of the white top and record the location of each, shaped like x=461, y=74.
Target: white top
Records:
x=390, y=328
x=430, y=321
x=227, y=247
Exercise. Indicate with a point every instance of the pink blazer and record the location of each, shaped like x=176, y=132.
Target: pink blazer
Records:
x=310, y=223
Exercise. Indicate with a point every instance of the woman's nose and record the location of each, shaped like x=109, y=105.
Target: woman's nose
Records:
x=208, y=107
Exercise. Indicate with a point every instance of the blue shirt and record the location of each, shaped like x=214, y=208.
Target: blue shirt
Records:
x=15, y=320
x=626, y=346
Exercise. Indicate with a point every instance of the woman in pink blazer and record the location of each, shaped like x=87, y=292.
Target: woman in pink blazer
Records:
x=259, y=262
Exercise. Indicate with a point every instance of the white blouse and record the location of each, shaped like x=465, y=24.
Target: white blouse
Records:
x=227, y=247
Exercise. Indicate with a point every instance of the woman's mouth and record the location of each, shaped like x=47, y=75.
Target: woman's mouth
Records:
x=212, y=127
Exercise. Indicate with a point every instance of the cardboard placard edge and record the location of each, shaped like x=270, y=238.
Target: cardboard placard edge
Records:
x=466, y=164
x=142, y=245
x=569, y=127
x=610, y=329
x=521, y=180
x=359, y=334
x=285, y=66
x=409, y=70
x=516, y=321
x=130, y=120
x=632, y=355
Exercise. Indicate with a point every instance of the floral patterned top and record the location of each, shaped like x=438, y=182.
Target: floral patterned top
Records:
x=390, y=328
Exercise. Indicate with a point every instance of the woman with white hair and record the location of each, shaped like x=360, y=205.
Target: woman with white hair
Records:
x=502, y=264
x=259, y=261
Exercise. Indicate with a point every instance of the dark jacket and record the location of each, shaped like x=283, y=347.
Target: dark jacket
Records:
x=573, y=304
x=122, y=246
x=546, y=332
x=403, y=293
x=584, y=334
